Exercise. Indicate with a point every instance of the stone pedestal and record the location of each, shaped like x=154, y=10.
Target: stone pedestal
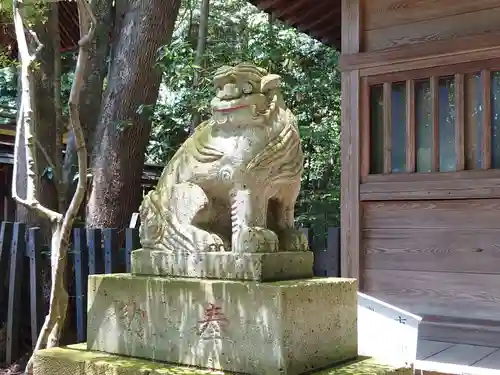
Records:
x=225, y=265
x=274, y=328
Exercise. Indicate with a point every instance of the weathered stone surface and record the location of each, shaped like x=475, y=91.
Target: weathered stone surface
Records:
x=75, y=360
x=233, y=184
x=225, y=265
x=275, y=328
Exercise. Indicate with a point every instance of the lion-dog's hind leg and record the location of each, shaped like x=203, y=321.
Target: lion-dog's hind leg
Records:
x=187, y=200
x=248, y=217
x=282, y=206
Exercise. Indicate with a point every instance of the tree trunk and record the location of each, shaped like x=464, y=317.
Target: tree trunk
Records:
x=134, y=79
x=198, y=58
x=92, y=90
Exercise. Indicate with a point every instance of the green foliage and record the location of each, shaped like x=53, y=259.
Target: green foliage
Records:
x=5, y=9
x=35, y=11
x=310, y=81
x=8, y=85
x=8, y=92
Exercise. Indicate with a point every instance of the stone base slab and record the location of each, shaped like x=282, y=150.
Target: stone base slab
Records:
x=275, y=328
x=225, y=265
x=75, y=360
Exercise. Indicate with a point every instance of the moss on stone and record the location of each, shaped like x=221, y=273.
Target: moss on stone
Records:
x=364, y=366
x=75, y=360
x=284, y=283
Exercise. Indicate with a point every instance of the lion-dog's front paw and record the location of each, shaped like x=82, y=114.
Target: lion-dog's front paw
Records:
x=292, y=239
x=256, y=240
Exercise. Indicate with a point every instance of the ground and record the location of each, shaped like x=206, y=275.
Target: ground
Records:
x=16, y=368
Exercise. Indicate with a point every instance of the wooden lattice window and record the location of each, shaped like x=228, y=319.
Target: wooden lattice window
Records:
x=438, y=123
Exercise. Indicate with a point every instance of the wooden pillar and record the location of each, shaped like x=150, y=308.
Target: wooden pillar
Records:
x=350, y=146
x=3, y=194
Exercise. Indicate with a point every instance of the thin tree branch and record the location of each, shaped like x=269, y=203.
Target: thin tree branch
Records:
x=25, y=115
x=74, y=113
x=48, y=160
x=85, y=40
x=198, y=58
x=39, y=45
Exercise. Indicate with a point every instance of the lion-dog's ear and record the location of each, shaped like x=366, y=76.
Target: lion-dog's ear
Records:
x=269, y=82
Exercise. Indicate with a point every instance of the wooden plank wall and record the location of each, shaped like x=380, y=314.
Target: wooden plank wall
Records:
x=436, y=254
x=434, y=257
x=391, y=23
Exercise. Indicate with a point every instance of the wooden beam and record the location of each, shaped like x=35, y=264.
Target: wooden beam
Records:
x=266, y=4
x=387, y=127
x=471, y=67
x=434, y=82
x=467, y=184
x=486, y=96
x=350, y=150
x=460, y=121
x=424, y=55
x=431, y=176
x=323, y=21
x=365, y=128
x=283, y=11
x=465, y=188
x=410, y=126
x=308, y=16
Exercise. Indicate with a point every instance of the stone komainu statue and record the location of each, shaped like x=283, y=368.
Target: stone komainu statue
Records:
x=234, y=182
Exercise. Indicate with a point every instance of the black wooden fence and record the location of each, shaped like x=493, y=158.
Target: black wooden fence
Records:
x=93, y=251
